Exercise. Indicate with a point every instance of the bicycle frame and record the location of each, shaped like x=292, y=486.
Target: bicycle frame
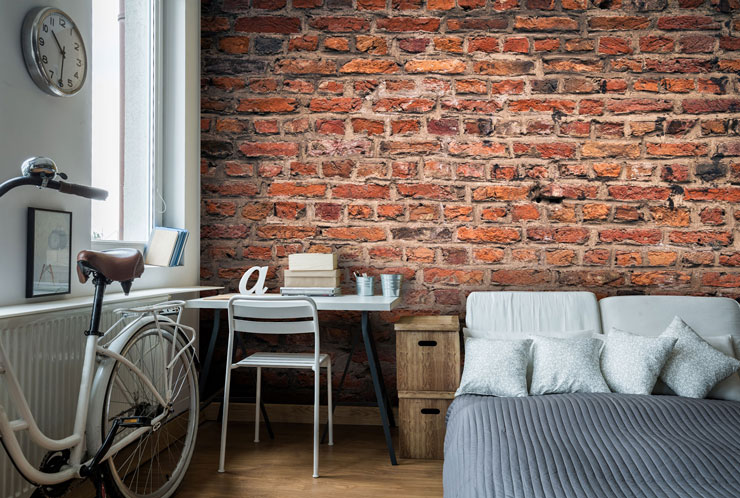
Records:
x=92, y=387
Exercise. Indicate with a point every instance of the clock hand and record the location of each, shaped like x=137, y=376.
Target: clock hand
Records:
x=61, y=72
x=57, y=40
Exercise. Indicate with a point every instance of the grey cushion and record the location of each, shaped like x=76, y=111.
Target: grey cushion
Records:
x=566, y=366
x=694, y=366
x=631, y=363
x=495, y=367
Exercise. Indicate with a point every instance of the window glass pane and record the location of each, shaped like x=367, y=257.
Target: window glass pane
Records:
x=127, y=214
x=104, y=72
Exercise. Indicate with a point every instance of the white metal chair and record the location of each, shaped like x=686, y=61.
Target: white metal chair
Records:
x=276, y=315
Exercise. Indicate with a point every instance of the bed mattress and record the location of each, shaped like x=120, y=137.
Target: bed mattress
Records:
x=592, y=445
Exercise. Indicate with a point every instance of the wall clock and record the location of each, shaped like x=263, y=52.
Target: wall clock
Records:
x=54, y=51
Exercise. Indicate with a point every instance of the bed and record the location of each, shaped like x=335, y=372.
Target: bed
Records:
x=592, y=445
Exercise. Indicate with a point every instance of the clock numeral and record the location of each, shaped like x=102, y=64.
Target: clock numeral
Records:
x=79, y=62
x=44, y=59
x=51, y=21
x=45, y=28
x=41, y=42
x=77, y=75
x=60, y=83
x=77, y=46
x=52, y=73
x=69, y=83
x=63, y=23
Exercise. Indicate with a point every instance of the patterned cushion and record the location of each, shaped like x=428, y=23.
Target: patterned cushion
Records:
x=495, y=367
x=566, y=366
x=631, y=363
x=694, y=366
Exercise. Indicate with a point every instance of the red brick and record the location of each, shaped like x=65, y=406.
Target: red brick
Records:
x=268, y=24
x=660, y=44
x=267, y=105
x=370, y=234
x=369, y=66
x=340, y=24
x=712, y=238
x=619, y=23
x=485, y=235
x=487, y=44
x=611, y=45
x=633, y=235
x=234, y=44
x=523, y=23
x=687, y=149
x=374, y=45
x=685, y=23
x=403, y=105
x=520, y=277
x=291, y=189
x=452, y=277
x=503, y=67
x=400, y=24
x=275, y=149
x=516, y=45
x=336, y=104
x=306, y=66
x=445, y=66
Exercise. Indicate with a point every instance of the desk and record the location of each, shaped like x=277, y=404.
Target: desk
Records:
x=364, y=304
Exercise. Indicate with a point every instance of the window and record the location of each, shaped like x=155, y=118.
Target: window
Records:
x=125, y=118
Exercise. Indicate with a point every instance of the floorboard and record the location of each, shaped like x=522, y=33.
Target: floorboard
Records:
x=356, y=466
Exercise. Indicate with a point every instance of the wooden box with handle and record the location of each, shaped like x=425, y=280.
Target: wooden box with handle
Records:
x=428, y=373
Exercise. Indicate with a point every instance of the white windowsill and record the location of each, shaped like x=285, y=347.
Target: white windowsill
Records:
x=82, y=302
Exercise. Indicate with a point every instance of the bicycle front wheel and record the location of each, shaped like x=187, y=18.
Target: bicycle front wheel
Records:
x=154, y=464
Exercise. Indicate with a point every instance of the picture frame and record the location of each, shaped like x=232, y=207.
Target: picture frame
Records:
x=48, y=252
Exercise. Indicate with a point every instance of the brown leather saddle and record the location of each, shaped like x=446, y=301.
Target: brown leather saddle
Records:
x=115, y=265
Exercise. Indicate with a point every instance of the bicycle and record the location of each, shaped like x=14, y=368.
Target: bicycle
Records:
x=137, y=412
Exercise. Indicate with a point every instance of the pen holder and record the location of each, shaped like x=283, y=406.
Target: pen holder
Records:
x=365, y=286
x=391, y=284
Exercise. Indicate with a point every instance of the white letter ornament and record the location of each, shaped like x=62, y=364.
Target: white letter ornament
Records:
x=259, y=286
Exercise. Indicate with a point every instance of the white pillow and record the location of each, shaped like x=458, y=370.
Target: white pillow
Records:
x=495, y=367
x=566, y=366
x=694, y=367
x=728, y=389
x=631, y=363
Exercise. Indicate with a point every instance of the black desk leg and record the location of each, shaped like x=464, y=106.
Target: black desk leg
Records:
x=378, y=383
x=388, y=405
x=209, y=353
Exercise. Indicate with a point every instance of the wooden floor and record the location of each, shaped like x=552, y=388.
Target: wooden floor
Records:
x=356, y=466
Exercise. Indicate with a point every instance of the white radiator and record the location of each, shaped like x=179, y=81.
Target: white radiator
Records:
x=46, y=352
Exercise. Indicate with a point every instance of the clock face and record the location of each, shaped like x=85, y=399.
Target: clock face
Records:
x=54, y=51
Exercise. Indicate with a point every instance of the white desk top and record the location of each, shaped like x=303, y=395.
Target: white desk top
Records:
x=350, y=302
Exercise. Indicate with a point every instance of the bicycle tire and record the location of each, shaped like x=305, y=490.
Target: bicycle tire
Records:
x=120, y=479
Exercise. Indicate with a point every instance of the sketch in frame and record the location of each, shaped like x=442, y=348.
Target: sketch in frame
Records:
x=49, y=252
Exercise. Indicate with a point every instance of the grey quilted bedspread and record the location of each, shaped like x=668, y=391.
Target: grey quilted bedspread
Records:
x=592, y=445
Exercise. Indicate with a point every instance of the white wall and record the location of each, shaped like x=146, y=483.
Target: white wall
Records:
x=33, y=123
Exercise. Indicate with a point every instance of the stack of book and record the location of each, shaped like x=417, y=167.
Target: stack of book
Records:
x=312, y=275
x=166, y=247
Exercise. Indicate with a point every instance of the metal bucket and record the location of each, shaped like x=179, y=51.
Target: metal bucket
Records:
x=391, y=284
x=365, y=286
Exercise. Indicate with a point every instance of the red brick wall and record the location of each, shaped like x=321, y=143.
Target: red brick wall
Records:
x=488, y=144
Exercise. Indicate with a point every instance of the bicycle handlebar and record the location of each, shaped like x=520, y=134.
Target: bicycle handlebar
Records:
x=63, y=187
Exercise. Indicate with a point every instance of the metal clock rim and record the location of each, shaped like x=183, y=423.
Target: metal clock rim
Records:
x=32, y=56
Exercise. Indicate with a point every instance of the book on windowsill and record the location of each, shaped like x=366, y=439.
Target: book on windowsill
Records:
x=166, y=247
x=311, y=291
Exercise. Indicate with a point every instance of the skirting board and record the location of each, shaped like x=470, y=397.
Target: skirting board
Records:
x=298, y=414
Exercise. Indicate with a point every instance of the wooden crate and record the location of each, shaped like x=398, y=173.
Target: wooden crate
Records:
x=422, y=423
x=428, y=353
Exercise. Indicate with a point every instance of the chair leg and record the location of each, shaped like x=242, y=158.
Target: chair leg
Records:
x=257, y=406
x=330, y=418
x=317, y=375
x=225, y=417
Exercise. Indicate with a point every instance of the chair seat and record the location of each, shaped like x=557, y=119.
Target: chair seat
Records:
x=282, y=360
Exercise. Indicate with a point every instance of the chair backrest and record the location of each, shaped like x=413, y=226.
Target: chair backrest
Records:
x=273, y=315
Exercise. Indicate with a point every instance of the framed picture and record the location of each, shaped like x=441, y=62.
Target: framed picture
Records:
x=49, y=252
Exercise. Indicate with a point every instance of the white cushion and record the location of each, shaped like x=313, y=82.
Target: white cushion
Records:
x=520, y=314
x=566, y=366
x=694, y=367
x=631, y=363
x=649, y=315
x=495, y=367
